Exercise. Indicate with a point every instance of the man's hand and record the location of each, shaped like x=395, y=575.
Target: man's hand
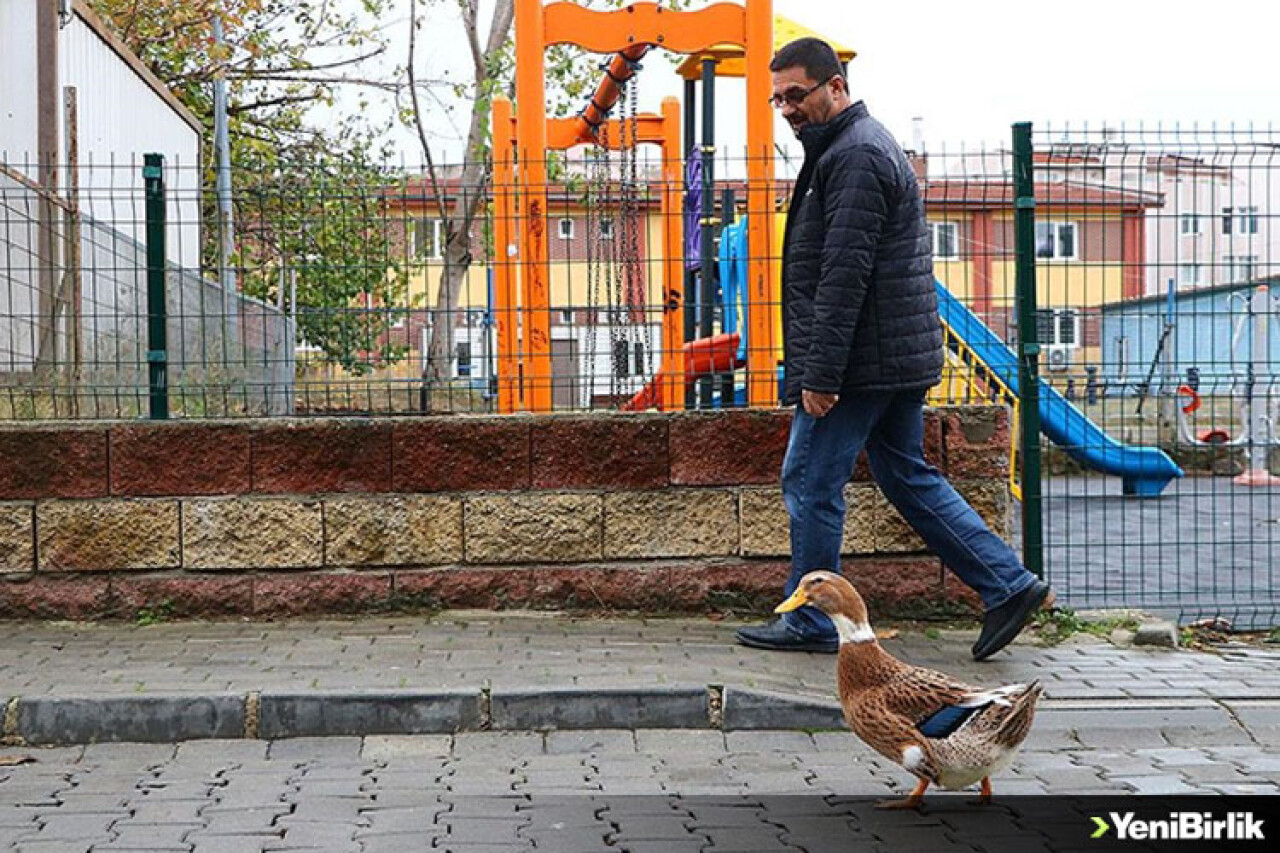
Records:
x=818, y=404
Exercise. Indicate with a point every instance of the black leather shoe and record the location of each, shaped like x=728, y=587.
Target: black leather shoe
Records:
x=777, y=637
x=1001, y=624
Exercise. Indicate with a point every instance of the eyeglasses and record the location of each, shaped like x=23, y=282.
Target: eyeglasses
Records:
x=795, y=97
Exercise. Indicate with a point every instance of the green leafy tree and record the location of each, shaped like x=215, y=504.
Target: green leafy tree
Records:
x=323, y=230
x=310, y=201
x=280, y=58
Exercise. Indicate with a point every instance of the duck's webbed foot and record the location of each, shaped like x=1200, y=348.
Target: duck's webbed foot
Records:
x=984, y=793
x=911, y=801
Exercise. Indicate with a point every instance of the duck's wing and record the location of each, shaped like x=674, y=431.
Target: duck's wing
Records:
x=984, y=710
x=920, y=695
x=993, y=728
x=874, y=719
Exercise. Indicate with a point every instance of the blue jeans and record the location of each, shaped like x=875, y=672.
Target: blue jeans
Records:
x=819, y=462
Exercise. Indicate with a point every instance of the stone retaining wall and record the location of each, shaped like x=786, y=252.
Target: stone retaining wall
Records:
x=271, y=518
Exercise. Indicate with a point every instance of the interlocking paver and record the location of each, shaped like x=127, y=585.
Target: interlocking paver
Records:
x=592, y=790
x=514, y=650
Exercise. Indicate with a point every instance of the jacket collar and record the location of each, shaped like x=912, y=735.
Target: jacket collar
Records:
x=815, y=138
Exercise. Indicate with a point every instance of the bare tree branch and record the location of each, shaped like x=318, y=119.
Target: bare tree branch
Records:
x=417, y=113
x=325, y=66
x=470, y=10
x=238, y=109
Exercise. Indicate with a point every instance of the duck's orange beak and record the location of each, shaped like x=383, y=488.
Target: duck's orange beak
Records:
x=797, y=600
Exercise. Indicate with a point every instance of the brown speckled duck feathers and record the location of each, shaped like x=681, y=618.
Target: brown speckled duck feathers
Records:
x=941, y=730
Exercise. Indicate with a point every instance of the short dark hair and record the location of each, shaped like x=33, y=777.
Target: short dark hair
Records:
x=818, y=58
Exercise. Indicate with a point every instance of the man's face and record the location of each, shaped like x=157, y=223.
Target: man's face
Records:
x=803, y=101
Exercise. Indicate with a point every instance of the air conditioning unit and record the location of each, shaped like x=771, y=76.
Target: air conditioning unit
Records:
x=1057, y=357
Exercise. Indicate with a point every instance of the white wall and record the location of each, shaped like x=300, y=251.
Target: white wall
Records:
x=121, y=117
x=17, y=79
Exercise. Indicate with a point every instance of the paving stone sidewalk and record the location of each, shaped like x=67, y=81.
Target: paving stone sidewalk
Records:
x=1116, y=721
x=465, y=650
x=76, y=683
x=598, y=790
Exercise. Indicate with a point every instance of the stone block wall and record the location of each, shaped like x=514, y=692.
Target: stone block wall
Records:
x=269, y=518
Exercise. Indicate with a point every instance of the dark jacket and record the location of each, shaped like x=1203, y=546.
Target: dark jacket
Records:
x=860, y=312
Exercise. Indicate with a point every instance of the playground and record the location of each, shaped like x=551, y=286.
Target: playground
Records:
x=706, y=294
x=627, y=261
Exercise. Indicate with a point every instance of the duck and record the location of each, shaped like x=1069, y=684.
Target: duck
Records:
x=941, y=730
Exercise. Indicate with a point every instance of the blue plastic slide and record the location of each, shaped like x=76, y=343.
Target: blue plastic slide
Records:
x=1144, y=471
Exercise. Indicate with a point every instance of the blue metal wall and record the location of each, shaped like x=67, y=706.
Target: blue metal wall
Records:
x=1204, y=326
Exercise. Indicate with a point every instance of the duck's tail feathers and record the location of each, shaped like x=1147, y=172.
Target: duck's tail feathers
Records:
x=1018, y=722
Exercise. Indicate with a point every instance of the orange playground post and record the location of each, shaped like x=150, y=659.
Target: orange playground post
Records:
x=524, y=356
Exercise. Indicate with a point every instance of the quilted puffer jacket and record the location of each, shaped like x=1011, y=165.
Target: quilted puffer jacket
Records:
x=860, y=312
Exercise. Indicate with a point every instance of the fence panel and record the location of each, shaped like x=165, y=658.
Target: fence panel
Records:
x=73, y=329
x=1156, y=267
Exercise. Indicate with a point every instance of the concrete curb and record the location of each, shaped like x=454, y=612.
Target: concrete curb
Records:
x=50, y=720
x=602, y=708
x=282, y=715
x=270, y=715
x=759, y=709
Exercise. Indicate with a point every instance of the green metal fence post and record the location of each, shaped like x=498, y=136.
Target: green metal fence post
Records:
x=157, y=346
x=1028, y=349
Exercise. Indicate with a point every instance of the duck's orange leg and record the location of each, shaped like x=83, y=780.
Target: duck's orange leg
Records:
x=911, y=801
x=984, y=793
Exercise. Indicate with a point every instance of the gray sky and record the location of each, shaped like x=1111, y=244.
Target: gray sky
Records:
x=971, y=69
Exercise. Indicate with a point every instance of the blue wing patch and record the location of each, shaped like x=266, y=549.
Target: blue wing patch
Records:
x=943, y=722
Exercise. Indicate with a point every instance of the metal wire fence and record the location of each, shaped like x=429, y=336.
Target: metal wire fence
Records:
x=1149, y=267
x=74, y=322
x=1157, y=255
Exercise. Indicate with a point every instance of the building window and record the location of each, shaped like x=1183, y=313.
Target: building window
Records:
x=1056, y=240
x=639, y=352
x=1058, y=327
x=428, y=239
x=566, y=316
x=565, y=229
x=1244, y=220
x=606, y=229
x=946, y=240
x=463, y=350
x=1188, y=275
x=1240, y=267
x=1190, y=223
x=621, y=362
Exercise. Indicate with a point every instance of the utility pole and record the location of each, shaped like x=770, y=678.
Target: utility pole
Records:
x=226, y=233
x=47, y=109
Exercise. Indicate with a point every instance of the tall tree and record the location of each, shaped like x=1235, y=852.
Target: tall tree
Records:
x=308, y=197
x=280, y=57
x=489, y=61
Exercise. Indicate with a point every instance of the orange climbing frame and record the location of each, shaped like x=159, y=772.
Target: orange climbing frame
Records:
x=524, y=346
x=521, y=382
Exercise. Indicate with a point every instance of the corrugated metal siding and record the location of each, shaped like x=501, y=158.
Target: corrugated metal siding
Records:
x=1205, y=324
x=18, y=82
x=120, y=119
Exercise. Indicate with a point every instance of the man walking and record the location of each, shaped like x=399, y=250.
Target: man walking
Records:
x=863, y=344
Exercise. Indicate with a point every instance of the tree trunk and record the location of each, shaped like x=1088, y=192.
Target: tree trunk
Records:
x=470, y=200
x=457, y=261
x=444, y=315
